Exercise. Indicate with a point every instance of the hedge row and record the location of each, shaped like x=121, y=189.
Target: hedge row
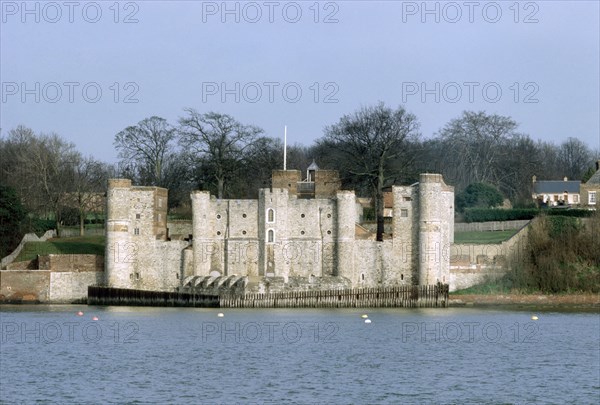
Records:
x=497, y=214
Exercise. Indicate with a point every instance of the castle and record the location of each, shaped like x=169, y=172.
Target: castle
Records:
x=298, y=235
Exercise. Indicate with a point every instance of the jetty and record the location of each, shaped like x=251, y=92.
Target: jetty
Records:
x=426, y=296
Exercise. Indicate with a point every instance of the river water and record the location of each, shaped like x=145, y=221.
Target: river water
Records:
x=403, y=356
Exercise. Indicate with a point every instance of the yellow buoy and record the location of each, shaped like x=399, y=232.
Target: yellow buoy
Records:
x=364, y=316
x=534, y=318
x=367, y=321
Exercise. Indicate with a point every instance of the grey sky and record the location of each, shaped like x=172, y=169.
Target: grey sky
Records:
x=543, y=56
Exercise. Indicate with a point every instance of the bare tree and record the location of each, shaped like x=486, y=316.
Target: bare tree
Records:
x=218, y=144
x=574, y=157
x=146, y=146
x=371, y=140
x=89, y=179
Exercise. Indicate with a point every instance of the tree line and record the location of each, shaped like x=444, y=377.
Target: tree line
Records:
x=373, y=148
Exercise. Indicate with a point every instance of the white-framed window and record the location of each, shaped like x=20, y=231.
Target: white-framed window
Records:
x=575, y=198
x=270, y=215
x=270, y=236
x=592, y=198
x=136, y=231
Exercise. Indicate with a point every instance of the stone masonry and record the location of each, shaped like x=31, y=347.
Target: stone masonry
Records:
x=296, y=235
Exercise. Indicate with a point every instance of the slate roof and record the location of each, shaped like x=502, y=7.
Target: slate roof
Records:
x=556, y=186
x=313, y=166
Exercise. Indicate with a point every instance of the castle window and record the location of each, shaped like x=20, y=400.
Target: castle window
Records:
x=160, y=203
x=218, y=233
x=159, y=217
x=404, y=213
x=328, y=215
x=243, y=232
x=137, y=276
x=328, y=232
x=301, y=232
x=302, y=215
x=131, y=276
x=136, y=231
x=270, y=215
x=137, y=216
x=270, y=236
x=362, y=277
x=243, y=215
x=401, y=276
x=218, y=216
x=177, y=275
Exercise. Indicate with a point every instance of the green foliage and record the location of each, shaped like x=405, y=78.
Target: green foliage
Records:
x=561, y=226
x=578, y=213
x=480, y=195
x=369, y=214
x=513, y=214
x=40, y=226
x=562, y=255
x=12, y=214
x=588, y=174
x=69, y=216
x=495, y=214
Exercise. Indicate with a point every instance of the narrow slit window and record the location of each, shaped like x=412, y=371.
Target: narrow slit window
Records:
x=270, y=215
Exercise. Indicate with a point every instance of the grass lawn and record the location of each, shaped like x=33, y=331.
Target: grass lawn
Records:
x=482, y=237
x=91, y=245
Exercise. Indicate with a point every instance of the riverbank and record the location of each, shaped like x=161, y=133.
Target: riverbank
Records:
x=558, y=300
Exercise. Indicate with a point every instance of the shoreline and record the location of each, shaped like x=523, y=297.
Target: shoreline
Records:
x=583, y=300
x=551, y=300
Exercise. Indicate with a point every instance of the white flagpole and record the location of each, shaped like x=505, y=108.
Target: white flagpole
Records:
x=285, y=148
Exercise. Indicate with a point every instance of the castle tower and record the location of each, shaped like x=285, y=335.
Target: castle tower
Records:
x=120, y=253
x=273, y=231
x=202, y=232
x=435, y=216
x=346, y=224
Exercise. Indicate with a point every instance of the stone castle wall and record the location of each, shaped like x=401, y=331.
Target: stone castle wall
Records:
x=279, y=235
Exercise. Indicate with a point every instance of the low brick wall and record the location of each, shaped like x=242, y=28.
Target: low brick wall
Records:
x=74, y=263
x=26, y=265
x=490, y=226
x=472, y=264
x=60, y=279
x=24, y=285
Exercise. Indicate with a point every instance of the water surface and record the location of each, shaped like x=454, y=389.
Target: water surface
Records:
x=190, y=355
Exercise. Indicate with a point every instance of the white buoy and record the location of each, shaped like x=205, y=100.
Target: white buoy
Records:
x=534, y=318
x=79, y=313
x=95, y=318
x=367, y=321
x=364, y=316
x=220, y=315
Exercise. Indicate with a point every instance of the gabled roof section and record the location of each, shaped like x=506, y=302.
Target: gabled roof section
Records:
x=556, y=186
